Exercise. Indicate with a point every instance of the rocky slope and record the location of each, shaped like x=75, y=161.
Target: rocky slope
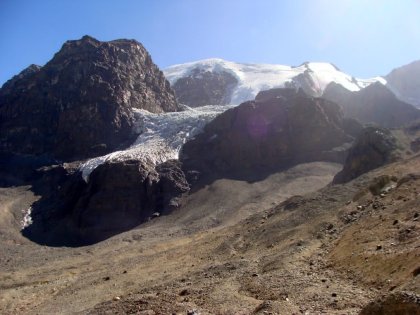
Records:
x=275, y=133
x=203, y=87
x=79, y=104
x=373, y=104
x=332, y=251
x=405, y=82
x=373, y=148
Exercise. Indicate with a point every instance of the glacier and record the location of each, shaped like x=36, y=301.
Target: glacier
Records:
x=161, y=136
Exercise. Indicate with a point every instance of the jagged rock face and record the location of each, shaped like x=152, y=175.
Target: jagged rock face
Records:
x=350, y=126
x=373, y=148
x=274, y=133
x=118, y=196
x=205, y=88
x=18, y=82
x=79, y=104
x=121, y=195
x=373, y=104
x=405, y=82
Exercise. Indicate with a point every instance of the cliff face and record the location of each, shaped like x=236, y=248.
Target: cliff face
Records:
x=79, y=104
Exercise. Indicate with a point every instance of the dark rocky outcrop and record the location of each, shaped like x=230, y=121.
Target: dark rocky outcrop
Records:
x=413, y=132
x=205, y=88
x=405, y=82
x=18, y=169
x=401, y=303
x=350, y=126
x=373, y=104
x=118, y=196
x=373, y=148
x=19, y=81
x=274, y=133
x=79, y=104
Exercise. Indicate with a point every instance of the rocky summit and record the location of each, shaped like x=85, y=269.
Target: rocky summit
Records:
x=79, y=104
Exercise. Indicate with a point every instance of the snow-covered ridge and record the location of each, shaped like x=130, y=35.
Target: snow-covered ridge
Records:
x=161, y=136
x=253, y=78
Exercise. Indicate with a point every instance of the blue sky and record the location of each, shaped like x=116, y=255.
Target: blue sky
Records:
x=362, y=37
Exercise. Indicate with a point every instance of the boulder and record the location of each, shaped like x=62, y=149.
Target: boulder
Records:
x=373, y=148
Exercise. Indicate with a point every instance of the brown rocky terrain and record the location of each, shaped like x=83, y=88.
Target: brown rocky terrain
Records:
x=234, y=248
x=79, y=104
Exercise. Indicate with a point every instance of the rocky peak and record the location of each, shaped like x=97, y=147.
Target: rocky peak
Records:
x=79, y=104
x=373, y=104
x=124, y=64
x=18, y=81
x=405, y=81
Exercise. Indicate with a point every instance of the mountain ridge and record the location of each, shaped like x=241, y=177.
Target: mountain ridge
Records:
x=252, y=78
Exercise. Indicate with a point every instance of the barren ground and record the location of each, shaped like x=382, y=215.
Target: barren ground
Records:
x=235, y=248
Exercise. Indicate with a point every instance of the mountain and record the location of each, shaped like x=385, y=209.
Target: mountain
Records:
x=162, y=208
x=373, y=104
x=268, y=134
x=80, y=103
x=218, y=82
x=405, y=82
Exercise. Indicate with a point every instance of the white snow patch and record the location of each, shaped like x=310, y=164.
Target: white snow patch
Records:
x=161, y=136
x=253, y=78
x=27, y=219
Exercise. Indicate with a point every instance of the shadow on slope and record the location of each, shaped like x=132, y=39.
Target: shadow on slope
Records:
x=119, y=196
